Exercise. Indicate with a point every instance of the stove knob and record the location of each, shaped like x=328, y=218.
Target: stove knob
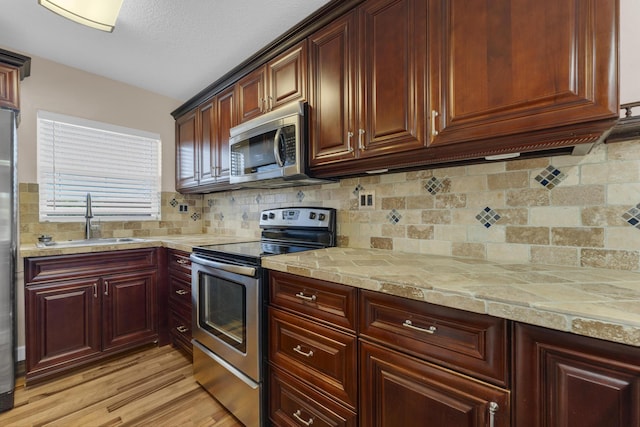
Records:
x=272, y=215
x=312, y=215
x=321, y=217
x=264, y=217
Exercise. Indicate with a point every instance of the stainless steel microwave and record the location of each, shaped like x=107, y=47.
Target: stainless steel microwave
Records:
x=269, y=151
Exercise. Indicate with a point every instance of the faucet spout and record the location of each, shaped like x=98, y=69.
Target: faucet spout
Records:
x=88, y=215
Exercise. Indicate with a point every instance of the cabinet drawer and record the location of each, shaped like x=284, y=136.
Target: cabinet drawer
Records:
x=469, y=342
x=179, y=291
x=292, y=403
x=323, y=301
x=322, y=356
x=58, y=267
x=179, y=261
x=180, y=326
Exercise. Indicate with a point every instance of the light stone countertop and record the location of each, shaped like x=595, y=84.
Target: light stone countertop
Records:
x=179, y=242
x=598, y=303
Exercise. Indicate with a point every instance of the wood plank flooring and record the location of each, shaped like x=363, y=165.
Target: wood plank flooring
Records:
x=153, y=387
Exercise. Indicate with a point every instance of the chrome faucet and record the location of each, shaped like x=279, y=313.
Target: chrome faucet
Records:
x=88, y=215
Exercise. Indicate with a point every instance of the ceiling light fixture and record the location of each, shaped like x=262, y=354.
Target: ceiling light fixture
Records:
x=99, y=14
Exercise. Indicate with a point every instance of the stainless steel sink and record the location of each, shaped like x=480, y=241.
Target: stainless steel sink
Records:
x=90, y=242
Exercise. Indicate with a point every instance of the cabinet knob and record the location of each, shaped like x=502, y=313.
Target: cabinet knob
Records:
x=181, y=292
x=182, y=329
x=182, y=261
x=298, y=416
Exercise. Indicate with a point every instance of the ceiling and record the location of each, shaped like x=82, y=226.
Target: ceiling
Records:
x=174, y=48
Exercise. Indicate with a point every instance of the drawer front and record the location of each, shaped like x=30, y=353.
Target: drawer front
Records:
x=180, y=327
x=58, y=267
x=323, y=301
x=292, y=403
x=322, y=356
x=179, y=291
x=469, y=342
x=179, y=261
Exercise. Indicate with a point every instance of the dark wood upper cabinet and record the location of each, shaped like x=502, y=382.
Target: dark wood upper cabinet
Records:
x=225, y=119
x=281, y=80
x=542, y=70
x=13, y=68
x=186, y=151
x=367, y=86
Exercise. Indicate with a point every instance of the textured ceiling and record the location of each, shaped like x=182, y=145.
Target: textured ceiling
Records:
x=171, y=47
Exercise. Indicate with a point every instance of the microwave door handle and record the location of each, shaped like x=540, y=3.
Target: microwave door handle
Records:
x=276, y=148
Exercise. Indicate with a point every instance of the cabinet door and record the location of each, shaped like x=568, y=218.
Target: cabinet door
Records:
x=398, y=390
x=9, y=87
x=205, y=145
x=393, y=57
x=251, y=95
x=186, y=151
x=332, y=61
x=225, y=120
x=508, y=66
x=287, y=75
x=62, y=324
x=573, y=381
x=129, y=313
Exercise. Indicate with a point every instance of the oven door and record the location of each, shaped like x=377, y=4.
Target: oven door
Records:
x=226, y=312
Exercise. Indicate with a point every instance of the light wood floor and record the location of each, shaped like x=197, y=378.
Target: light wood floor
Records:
x=154, y=387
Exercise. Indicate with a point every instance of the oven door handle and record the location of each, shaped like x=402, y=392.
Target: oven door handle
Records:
x=237, y=269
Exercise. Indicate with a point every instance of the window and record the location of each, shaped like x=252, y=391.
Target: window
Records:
x=119, y=167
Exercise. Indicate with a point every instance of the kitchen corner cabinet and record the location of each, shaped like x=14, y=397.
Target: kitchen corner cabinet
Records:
x=280, y=81
x=9, y=87
x=202, y=145
x=81, y=308
x=561, y=379
x=367, y=87
x=179, y=269
x=545, y=71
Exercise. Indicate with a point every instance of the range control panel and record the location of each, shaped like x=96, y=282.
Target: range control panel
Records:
x=307, y=217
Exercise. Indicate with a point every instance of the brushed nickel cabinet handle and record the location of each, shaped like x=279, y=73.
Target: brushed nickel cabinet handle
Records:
x=95, y=290
x=349, y=136
x=434, y=114
x=106, y=288
x=298, y=416
x=493, y=408
x=181, y=292
x=182, y=329
x=270, y=102
x=182, y=261
x=298, y=350
x=306, y=298
x=409, y=324
x=360, y=139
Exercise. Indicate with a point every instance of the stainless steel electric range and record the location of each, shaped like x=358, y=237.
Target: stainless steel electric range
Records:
x=229, y=305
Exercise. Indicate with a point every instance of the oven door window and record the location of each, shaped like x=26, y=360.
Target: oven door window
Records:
x=222, y=310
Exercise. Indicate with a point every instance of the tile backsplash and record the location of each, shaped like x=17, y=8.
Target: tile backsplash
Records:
x=566, y=210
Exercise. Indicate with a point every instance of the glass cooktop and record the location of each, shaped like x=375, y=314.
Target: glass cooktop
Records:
x=250, y=250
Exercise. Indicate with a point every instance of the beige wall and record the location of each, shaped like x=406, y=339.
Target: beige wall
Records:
x=61, y=89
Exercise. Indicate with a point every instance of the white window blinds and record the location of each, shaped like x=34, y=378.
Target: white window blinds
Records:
x=120, y=167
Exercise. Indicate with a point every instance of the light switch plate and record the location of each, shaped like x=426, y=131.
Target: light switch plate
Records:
x=367, y=200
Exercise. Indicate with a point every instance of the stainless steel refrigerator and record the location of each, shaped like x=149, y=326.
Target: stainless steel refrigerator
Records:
x=8, y=243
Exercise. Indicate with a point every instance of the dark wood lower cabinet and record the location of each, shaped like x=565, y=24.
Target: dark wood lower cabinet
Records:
x=80, y=308
x=568, y=380
x=398, y=390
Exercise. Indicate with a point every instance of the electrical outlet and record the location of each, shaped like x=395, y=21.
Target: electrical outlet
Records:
x=184, y=208
x=367, y=200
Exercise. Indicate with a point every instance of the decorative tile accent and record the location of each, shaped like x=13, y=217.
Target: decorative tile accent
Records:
x=488, y=217
x=550, y=177
x=258, y=199
x=357, y=190
x=173, y=202
x=300, y=196
x=632, y=216
x=434, y=185
x=394, y=216
x=210, y=202
x=195, y=216
x=245, y=216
